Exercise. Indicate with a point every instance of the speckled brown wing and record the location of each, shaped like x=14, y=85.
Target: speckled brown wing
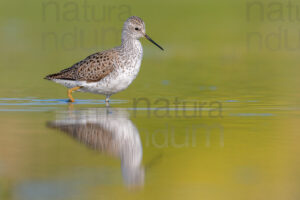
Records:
x=91, y=69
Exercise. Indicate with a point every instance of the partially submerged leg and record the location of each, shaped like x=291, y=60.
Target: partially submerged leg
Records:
x=107, y=100
x=71, y=99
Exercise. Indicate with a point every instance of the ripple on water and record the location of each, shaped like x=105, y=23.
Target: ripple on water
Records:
x=31, y=102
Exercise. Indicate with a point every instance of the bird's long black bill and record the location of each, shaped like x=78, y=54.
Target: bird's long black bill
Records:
x=148, y=38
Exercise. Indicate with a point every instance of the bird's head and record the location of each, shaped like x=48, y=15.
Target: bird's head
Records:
x=134, y=28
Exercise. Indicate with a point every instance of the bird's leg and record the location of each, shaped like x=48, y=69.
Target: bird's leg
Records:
x=107, y=100
x=71, y=99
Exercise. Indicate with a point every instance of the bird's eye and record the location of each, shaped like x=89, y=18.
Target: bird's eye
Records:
x=136, y=28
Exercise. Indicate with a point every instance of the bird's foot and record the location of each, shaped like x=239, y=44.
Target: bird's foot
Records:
x=107, y=101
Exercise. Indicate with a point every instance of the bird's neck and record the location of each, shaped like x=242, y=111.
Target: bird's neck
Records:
x=132, y=45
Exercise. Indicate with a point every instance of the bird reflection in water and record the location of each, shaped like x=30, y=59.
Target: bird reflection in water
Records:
x=109, y=131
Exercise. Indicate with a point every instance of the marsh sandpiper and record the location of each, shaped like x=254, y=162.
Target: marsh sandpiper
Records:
x=110, y=71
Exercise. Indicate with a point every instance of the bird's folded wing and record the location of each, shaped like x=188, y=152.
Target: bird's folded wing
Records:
x=93, y=68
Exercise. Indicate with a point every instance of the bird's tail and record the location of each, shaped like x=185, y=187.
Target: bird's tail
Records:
x=51, y=76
